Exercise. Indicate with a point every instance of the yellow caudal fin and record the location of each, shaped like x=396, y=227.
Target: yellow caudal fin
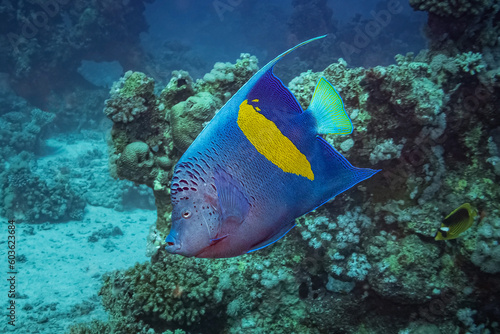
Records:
x=328, y=110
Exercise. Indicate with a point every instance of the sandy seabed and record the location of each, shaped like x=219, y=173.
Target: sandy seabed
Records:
x=60, y=265
x=59, y=270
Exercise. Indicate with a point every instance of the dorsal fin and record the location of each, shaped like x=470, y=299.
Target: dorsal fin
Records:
x=270, y=96
x=288, y=103
x=270, y=92
x=273, y=62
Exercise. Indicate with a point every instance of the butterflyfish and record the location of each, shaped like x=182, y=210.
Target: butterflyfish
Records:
x=457, y=222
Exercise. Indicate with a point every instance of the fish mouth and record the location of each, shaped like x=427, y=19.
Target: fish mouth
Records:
x=172, y=249
x=172, y=245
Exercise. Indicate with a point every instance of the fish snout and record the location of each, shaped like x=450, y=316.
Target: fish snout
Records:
x=172, y=244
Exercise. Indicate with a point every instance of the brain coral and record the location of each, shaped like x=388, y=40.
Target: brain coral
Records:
x=136, y=162
x=188, y=118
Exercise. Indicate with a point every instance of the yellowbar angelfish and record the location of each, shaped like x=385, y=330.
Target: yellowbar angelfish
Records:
x=259, y=164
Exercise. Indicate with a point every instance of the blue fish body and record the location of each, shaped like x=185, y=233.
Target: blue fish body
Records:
x=257, y=166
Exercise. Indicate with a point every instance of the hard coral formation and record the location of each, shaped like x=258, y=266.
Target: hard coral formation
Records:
x=136, y=162
x=399, y=266
x=189, y=117
x=449, y=35
x=32, y=199
x=179, y=88
x=486, y=253
x=156, y=291
x=204, y=296
x=130, y=97
x=22, y=132
x=225, y=78
x=24, y=194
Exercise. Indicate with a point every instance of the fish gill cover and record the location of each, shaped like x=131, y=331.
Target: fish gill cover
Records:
x=366, y=262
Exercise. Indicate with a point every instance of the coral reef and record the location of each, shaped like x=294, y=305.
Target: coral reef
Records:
x=225, y=78
x=136, y=162
x=131, y=97
x=164, y=294
x=43, y=44
x=24, y=194
x=486, y=253
x=21, y=131
x=150, y=132
x=41, y=183
x=369, y=257
x=32, y=199
x=452, y=8
x=24, y=130
x=448, y=34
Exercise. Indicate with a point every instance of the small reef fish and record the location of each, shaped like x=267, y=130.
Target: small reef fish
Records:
x=458, y=221
x=259, y=164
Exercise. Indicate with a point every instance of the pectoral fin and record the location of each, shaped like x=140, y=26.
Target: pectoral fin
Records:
x=233, y=202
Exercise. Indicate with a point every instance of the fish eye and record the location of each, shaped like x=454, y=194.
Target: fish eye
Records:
x=186, y=214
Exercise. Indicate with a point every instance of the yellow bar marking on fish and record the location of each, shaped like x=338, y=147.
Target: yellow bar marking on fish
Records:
x=271, y=143
x=257, y=108
x=256, y=100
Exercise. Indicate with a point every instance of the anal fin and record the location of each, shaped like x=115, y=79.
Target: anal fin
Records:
x=271, y=240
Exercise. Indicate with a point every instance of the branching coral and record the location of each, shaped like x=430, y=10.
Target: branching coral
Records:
x=182, y=295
